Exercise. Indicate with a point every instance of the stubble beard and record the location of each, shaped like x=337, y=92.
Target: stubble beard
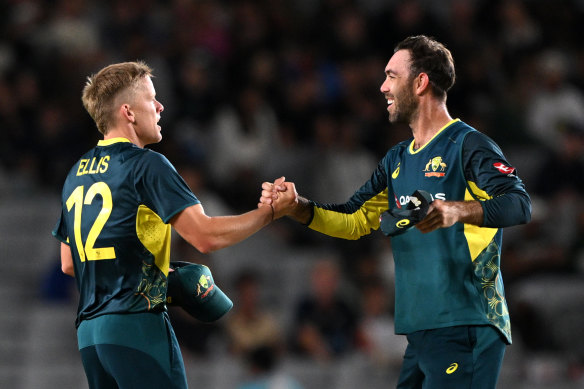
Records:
x=405, y=108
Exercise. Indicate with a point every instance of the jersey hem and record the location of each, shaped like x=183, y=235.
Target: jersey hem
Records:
x=507, y=337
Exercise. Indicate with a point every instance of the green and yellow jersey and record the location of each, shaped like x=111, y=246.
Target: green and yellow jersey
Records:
x=450, y=276
x=117, y=201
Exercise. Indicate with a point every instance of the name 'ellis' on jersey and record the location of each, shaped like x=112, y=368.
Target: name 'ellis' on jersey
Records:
x=117, y=201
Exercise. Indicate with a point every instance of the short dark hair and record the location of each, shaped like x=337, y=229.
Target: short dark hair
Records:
x=433, y=58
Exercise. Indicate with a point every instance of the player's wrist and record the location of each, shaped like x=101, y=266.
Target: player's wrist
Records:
x=302, y=211
x=470, y=212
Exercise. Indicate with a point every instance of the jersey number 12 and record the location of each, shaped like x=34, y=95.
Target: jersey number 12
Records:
x=77, y=199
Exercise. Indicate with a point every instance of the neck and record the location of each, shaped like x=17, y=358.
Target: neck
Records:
x=123, y=133
x=428, y=121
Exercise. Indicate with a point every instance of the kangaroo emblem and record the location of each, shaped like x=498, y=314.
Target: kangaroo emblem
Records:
x=435, y=163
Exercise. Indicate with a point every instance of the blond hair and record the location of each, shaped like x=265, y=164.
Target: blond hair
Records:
x=102, y=89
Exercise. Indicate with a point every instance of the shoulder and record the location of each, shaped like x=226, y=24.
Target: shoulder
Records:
x=154, y=156
x=458, y=131
x=476, y=140
x=150, y=159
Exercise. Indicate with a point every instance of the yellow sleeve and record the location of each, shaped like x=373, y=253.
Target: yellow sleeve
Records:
x=334, y=222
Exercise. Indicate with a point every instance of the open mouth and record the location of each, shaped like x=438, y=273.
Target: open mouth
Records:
x=389, y=102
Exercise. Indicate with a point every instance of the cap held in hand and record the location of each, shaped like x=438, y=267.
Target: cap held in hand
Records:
x=191, y=287
x=394, y=222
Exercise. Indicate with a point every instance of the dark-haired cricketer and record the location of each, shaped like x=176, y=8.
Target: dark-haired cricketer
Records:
x=450, y=300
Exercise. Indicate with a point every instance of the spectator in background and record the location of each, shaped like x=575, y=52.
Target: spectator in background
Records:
x=249, y=326
x=244, y=136
x=376, y=326
x=561, y=172
x=340, y=161
x=263, y=367
x=555, y=101
x=543, y=268
x=325, y=323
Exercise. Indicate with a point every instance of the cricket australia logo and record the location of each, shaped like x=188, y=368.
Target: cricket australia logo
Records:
x=435, y=167
x=204, y=286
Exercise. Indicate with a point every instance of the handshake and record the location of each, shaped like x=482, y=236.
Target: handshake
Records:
x=284, y=200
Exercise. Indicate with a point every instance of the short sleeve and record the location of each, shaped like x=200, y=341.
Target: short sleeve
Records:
x=60, y=230
x=161, y=188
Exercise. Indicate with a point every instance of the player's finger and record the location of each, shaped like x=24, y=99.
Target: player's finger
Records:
x=427, y=224
x=278, y=184
x=431, y=223
x=270, y=193
x=268, y=196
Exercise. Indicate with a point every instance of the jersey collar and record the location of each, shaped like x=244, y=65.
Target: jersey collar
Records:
x=111, y=141
x=411, y=148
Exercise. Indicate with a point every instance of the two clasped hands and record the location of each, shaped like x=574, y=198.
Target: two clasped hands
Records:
x=285, y=201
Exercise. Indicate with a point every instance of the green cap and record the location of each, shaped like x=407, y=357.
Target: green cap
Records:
x=191, y=287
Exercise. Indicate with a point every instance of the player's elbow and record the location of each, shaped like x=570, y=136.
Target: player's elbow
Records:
x=204, y=244
x=67, y=260
x=525, y=207
x=212, y=244
x=68, y=269
x=205, y=248
x=526, y=214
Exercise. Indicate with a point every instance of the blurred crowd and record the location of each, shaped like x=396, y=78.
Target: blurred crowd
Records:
x=256, y=89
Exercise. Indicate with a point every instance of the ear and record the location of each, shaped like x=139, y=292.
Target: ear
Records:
x=127, y=113
x=421, y=83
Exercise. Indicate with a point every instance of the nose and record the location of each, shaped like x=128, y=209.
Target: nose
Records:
x=160, y=106
x=384, y=88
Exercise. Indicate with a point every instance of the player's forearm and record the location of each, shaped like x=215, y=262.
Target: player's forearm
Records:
x=209, y=234
x=444, y=214
x=225, y=231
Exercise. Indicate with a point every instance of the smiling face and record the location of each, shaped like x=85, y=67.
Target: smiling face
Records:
x=146, y=110
x=398, y=89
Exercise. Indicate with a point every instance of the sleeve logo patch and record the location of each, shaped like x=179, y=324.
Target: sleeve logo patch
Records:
x=504, y=168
